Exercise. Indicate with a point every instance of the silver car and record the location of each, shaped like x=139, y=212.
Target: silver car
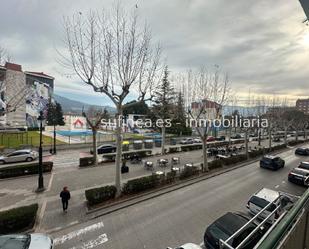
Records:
x=26, y=241
x=19, y=156
x=188, y=246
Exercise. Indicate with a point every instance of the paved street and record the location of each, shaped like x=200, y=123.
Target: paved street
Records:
x=180, y=216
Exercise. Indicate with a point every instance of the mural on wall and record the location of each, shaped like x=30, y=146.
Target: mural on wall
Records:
x=2, y=105
x=37, y=101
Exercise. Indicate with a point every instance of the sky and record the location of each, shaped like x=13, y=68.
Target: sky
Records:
x=263, y=45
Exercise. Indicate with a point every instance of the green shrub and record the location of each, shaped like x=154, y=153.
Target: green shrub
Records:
x=233, y=159
x=24, y=169
x=141, y=184
x=129, y=154
x=191, y=147
x=188, y=172
x=173, y=149
x=170, y=176
x=18, y=219
x=294, y=142
x=86, y=161
x=214, y=164
x=256, y=153
x=99, y=195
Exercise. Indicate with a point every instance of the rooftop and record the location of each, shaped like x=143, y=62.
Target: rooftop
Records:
x=40, y=74
x=13, y=66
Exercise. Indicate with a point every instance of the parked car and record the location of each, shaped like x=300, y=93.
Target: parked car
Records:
x=19, y=156
x=105, y=148
x=236, y=136
x=26, y=241
x=187, y=141
x=187, y=246
x=272, y=162
x=221, y=138
x=299, y=176
x=197, y=140
x=227, y=225
x=211, y=139
x=263, y=197
x=302, y=151
x=304, y=165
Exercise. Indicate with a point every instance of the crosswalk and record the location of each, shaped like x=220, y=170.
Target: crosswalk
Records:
x=60, y=242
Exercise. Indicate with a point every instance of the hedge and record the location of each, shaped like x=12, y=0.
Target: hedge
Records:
x=190, y=147
x=86, y=161
x=214, y=164
x=98, y=195
x=24, y=169
x=129, y=154
x=233, y=159
x=18, y=219
x=188, y=172
x=140, y=184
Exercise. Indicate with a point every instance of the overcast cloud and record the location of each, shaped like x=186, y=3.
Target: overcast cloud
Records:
x=263, y=45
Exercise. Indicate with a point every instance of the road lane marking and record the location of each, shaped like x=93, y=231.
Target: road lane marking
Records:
x=41, y=215
x=93, y=243
x=77, y=233
x=50, y=181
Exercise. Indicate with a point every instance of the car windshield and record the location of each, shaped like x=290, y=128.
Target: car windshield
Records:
x=304, y=165
x=15, y=242
x=262, y=203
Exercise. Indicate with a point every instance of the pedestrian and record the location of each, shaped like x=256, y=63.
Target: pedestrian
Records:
x=65, y=197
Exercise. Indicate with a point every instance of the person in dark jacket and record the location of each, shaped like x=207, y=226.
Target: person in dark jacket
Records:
x=65, y=197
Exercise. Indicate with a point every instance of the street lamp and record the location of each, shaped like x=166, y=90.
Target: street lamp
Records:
x=40, y=167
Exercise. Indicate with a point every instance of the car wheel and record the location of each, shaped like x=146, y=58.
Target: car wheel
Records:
x=2, y=162
x=29, y=159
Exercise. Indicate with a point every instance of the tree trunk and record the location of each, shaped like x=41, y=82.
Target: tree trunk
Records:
x=119, y=149
x=163, y=140
x=296, y=135
x=94, y=146
x=259, y=135
x=246, y=144
x=269, y=138
x=286, y=135
x=230, y=134
x=205, y=157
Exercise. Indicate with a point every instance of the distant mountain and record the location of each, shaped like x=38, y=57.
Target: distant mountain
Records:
x=73, y=106
x=228, y=110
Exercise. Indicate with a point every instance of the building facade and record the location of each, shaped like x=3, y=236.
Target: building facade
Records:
x=26, y=93
x=303, y=105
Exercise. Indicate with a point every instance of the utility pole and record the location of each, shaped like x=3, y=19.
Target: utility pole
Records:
x=40, y=169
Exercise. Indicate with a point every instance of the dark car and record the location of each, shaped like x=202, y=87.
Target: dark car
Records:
x=236, y=136
x=302, y=151
x=304, y=165
x=221, y=138
x=106, y=148
x=226, y=226
x=272, y=162
x=299, y=176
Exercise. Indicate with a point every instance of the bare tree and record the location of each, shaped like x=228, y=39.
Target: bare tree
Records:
x=113, y=55
x=94, y=120
x=205, y=94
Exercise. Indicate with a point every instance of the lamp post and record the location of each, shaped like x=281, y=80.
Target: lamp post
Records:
x=40, y=169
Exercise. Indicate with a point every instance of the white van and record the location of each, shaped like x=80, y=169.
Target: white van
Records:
x=265, y=196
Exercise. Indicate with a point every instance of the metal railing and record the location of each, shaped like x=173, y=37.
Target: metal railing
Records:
x=227, y=242
x=283, y=231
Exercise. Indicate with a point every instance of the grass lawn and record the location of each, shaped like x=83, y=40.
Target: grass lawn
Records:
x=15, y=140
